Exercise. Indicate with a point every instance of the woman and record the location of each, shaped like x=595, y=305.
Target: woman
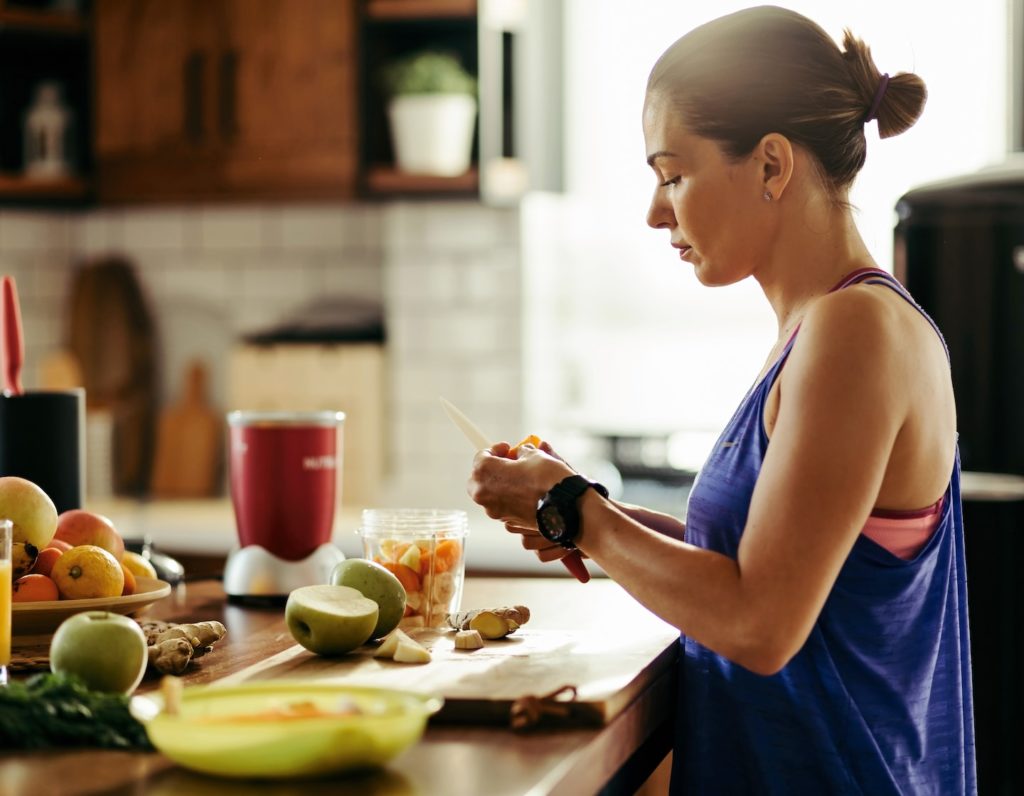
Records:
x=820, y=589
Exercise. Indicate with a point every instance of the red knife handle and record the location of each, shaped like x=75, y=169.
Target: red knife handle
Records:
x=14, y=350
x=574, y=563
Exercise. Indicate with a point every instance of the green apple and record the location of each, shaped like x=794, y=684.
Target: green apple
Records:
x=107, y=651
x=79, y=527
x=379, y=585
x=330, y=620
x=34, y=517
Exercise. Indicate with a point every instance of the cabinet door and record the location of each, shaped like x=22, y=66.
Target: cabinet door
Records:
x=287, y=98
x=154, y=69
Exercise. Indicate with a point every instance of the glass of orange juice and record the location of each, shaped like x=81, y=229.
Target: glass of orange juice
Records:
x=6, y=572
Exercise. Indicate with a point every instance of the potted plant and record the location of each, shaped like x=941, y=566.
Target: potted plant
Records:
x=432, y=113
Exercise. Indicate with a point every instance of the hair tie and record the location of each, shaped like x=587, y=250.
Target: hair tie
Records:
x=876, y=103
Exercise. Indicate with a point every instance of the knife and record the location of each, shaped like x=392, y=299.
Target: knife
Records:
x=13, y=343
x=574, y=561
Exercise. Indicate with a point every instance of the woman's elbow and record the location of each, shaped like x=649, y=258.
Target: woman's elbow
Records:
x=766, y=654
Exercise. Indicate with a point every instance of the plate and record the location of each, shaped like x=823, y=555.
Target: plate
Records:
x=237, y=731
x=44, y=616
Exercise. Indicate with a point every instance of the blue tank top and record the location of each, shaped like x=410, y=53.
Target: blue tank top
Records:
x=877, y=701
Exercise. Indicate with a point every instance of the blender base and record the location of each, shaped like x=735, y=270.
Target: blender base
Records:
x=253, y=572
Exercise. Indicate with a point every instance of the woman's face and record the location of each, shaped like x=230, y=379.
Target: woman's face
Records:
x=709, y=204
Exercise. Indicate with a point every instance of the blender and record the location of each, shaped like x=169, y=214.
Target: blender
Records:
x=285, y=470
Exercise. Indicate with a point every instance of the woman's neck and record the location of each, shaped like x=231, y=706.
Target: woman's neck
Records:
x=816, y=245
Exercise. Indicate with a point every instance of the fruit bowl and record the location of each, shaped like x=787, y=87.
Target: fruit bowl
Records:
x=284, y=729
x=44, y=616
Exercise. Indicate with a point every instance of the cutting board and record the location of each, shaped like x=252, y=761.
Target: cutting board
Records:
x=189, y=442
x=610, y=652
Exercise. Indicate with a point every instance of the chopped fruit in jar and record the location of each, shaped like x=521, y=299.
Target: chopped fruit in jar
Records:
x=409, y=578
x=447, y=555
x=411, y=558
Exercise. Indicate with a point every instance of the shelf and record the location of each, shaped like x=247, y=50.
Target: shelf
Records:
x=63, y=189
x=65, y=23
x=401, y=10
x=386, y=180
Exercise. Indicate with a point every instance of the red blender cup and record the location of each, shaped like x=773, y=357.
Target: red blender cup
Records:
x=285, y=487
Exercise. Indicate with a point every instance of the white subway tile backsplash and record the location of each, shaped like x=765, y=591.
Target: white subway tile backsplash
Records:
x=99, y=232
x=186, y=276
x=411, y=227
x=26, y=231
x=351, y=274
x=277, y=280
x=234, y=229
x=147, y=230
x=329, y=227
x=424, y=283
x=47, y=278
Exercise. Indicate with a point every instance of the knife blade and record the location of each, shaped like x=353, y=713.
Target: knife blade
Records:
x=470, y=429
x=574, y=561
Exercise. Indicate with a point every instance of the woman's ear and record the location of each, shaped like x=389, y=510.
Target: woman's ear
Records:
x=774, y=153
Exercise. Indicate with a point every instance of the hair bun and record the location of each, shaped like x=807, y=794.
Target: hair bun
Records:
x=896, y=102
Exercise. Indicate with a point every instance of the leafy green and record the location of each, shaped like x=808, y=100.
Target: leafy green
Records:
x=428, y=72
x=53, y=710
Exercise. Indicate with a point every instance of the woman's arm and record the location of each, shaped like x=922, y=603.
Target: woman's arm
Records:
x=664, y=524
x=839, y=415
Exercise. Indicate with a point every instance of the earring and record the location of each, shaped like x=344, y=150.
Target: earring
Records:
x=768, y=196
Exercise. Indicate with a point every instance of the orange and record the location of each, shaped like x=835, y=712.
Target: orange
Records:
x=130, y=586
x=33, y=588
x=447, y=554
x=409, y=578
x=139, y=565
x=88, y=571
x=45, y=561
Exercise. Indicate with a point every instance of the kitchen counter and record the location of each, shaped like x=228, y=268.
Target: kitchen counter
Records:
x=453, y=759
x=206, y=529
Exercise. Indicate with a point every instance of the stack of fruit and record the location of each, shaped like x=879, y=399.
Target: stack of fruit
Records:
x=76, y=555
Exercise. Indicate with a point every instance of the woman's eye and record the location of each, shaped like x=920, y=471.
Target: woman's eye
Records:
x=673, y=181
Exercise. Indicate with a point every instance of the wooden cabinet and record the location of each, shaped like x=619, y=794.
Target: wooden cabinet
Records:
x=208, y=99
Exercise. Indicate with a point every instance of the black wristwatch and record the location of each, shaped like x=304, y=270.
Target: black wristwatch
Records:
x=558, y=515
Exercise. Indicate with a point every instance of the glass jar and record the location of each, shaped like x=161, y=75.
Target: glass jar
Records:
x=426, y=551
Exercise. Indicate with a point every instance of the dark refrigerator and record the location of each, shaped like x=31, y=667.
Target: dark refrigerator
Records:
x=959, y=248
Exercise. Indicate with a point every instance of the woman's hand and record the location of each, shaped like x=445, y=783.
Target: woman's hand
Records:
x=509, y=483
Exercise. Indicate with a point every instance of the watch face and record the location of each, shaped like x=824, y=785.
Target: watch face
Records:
x=552, y=523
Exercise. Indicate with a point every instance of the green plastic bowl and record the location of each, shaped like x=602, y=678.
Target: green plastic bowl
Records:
x=204, y=738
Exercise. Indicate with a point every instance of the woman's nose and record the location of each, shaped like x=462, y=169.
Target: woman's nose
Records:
x=659, y=214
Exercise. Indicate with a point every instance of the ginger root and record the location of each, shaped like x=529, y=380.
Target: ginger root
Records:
x=172, y=647
x=468, y=640
x=491, y=623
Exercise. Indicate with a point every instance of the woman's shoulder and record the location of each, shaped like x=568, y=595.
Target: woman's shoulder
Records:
x=864, y=322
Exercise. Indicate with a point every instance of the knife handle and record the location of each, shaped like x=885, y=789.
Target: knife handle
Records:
x=574, y=563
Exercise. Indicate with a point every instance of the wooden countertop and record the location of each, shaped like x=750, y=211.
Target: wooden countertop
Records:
x=451, y=759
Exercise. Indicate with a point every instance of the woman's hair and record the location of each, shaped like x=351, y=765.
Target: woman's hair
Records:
x=770, y=70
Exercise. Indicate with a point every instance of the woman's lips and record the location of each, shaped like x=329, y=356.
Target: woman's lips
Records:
x=684, y=253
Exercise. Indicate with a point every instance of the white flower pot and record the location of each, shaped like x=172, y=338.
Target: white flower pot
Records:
x=433, y=133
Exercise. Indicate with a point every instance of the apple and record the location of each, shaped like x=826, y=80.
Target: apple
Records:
x=107, y=651
x=330, y=620
x=34, y=517
x=378, y=584
x=78, y=527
